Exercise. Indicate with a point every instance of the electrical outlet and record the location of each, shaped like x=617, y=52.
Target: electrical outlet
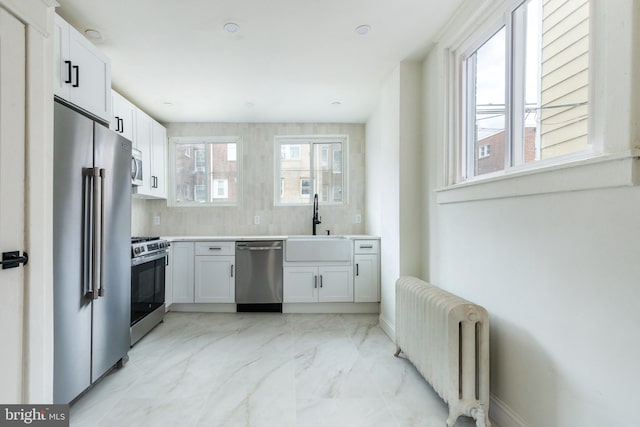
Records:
x=358, y=219
x=156, y=220
x=256, y=220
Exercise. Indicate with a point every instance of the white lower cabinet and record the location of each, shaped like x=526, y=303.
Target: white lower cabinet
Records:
x=182, y=269
x=317, y=284
x=366, y=278
x=215, y=272
x=215, y=279
x=366, y=281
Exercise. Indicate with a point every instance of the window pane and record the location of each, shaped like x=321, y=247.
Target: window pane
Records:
x=564, y=78
x=206, y=172
x=295, y=165
x=487, y=80
x=328, y=171
x=309, y=165
x=224, y=172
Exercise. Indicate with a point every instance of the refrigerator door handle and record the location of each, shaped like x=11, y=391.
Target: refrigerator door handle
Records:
x=88, y=227
x=103, y=174
x=95, y=255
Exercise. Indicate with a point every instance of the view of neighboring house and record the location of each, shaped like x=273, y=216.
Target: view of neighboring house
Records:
x=550, y=104
x=206, y=172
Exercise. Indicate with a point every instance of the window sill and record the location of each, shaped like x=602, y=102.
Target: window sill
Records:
x=600, y=171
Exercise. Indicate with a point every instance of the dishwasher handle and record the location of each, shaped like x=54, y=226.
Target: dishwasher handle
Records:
x=258, y=248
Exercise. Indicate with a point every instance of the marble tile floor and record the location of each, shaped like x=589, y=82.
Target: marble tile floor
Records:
x=271, y=370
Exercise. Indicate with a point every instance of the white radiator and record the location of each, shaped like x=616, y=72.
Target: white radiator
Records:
x=447, y=340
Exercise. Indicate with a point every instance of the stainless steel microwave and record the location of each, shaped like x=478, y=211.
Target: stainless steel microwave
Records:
x=136, y=167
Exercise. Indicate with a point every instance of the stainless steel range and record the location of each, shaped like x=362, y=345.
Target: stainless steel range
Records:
x=149, y=258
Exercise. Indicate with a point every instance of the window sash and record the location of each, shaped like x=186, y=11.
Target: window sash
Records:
x=215, y=165
x=460, y=93
x=324, y=170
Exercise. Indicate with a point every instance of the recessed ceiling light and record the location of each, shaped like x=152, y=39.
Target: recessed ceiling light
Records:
x=231, y=27
x=167, y=104
x=363, y=30
x=336, y=103
x=93, y=34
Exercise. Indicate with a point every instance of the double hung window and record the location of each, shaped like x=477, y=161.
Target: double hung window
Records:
x=525, y=88
x=211, y=176
x=310, y=165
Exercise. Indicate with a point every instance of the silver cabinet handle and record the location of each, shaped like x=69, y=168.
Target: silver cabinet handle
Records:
x=315, y=282
x=321, y=280
x=357, y=270
x=215, y=249
x=231, y=270
x=366, y=246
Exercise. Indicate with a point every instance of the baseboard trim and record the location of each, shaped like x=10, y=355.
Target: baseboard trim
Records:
x=388, y=327
x=502, y=415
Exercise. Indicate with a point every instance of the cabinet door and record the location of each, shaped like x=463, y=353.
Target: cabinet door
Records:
x=182, y=270
x=366, y=279
x=336, y=284
x=61, y=71
x=82, y=74
x=215, y=280
x=143, y=143
x=159, y=161
x=300, y=284
x=91, y=87
x=123, y=116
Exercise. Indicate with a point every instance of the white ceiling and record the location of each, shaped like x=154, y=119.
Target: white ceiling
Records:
x=290, y=60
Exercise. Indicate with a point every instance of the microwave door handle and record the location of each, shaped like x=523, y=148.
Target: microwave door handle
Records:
x=134, y=164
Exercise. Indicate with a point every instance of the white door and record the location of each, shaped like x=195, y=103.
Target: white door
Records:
x=12, y=198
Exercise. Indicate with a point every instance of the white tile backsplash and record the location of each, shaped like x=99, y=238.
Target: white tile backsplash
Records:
x=258, y=196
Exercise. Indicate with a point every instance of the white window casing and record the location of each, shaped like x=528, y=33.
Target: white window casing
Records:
x=614, y=132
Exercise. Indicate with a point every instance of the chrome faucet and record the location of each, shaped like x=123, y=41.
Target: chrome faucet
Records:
x=316, y=219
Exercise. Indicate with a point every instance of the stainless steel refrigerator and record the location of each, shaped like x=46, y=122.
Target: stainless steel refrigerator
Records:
x=91, y=251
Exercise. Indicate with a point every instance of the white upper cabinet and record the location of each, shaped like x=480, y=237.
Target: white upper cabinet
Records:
x=158, y=161
x=122, y=116
x=142, y=141
x=151, y=140
x=82, y=74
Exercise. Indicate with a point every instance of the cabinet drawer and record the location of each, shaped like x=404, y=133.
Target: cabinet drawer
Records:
x=215, y=248
x=366, y=246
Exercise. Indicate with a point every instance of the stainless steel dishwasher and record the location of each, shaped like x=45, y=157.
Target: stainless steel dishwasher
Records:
x=259, y=276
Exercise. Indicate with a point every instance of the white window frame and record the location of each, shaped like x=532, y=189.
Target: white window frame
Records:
x=302, y=181
x=484, y=151
x=279, y=140
x=215, y=186
x=171, y=192
x=612, y=160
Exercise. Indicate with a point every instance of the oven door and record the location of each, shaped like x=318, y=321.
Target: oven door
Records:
x=147, y=285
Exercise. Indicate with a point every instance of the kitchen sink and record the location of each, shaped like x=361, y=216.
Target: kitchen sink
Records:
x=318, y=248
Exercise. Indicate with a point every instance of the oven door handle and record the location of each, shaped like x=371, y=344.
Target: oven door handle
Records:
x=148, y=258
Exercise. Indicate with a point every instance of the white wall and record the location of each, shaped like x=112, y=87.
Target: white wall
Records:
x=257, y=188
x=559, y=275
x=393, y=182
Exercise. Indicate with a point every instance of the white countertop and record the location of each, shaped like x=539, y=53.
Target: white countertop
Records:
x=254, y=238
